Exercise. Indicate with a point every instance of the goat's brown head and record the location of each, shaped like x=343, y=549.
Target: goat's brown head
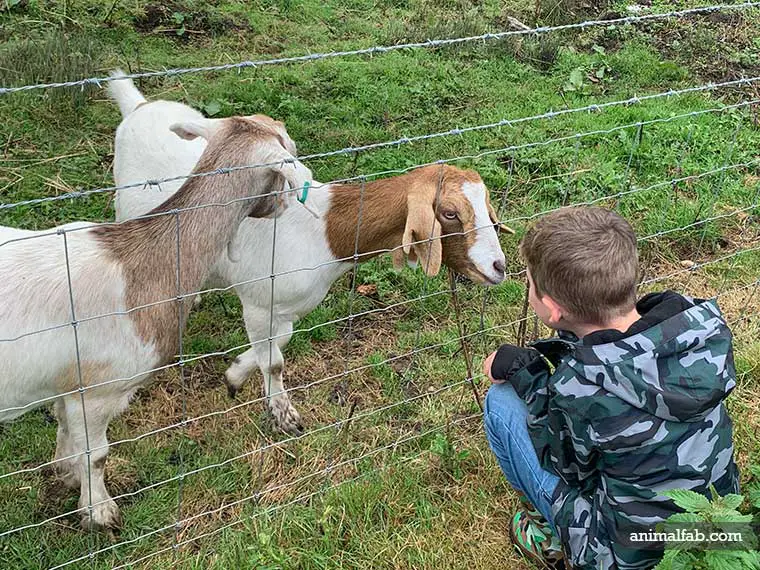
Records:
x=250, y=140
x=450, y=207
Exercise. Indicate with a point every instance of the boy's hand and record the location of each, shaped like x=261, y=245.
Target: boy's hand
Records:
x=487, y=368
x=502, y=364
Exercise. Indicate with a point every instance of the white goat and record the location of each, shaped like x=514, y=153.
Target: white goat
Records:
x=396, y=210
x=115, y=268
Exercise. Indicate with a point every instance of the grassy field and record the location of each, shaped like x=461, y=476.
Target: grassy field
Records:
x=426, y=492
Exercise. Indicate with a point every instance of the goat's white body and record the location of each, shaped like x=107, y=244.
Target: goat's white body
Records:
x=31, y=367
x=164, y=156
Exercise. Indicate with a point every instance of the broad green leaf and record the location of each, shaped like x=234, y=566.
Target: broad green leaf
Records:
x=685, y=518
x=732, y=501
x=721, y=560
x=212, y=108
x=688, y=500
x=723, y=515
x=754, y=495
x=750, y=559
x=576, y=77
x=667, y=560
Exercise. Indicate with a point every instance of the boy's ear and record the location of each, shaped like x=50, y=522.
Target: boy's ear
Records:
x=556, y=312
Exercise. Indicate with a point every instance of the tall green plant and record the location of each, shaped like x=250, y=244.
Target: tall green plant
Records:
x=720, y=514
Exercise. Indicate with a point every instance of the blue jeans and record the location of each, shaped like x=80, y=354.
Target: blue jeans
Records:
x=505, y=419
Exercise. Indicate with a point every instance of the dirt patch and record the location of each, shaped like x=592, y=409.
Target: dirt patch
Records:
x=184, y=20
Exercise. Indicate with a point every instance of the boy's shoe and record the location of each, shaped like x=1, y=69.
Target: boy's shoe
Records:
x=534, y=539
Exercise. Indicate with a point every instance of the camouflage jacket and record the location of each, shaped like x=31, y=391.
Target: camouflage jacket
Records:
x=627, y=415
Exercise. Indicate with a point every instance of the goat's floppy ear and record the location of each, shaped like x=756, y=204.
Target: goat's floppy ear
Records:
x=421, y=224
x=285, y=140
x=495, y=218
x=190, y=130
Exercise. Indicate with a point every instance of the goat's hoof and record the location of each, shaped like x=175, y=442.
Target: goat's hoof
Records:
x=286, y=417
x=104, y=517
x=231, y=391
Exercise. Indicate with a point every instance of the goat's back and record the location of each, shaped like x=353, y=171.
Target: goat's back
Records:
x=145, y=149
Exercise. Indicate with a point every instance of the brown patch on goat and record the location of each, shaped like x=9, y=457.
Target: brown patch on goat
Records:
x=91, y=373
x=401, y=210
x=275, y=370
x=146, y=248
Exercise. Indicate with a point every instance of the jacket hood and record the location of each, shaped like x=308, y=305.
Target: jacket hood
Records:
x=676, y=362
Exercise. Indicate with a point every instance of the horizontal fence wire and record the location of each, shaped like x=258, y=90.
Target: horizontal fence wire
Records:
x=186, y=421
x=690, y=269
x=384, y=49
x=259, y=450
x=596, y=107
x=245, y=455
x=351, y=461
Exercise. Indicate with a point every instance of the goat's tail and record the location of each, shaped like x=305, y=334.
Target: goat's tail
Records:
x=124, y=92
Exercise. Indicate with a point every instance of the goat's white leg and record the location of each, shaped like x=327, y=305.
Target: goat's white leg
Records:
x=286, y=417
x=97, y=507
x=66, y=468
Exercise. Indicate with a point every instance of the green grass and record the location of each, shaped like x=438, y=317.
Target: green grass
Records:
x=434, y=500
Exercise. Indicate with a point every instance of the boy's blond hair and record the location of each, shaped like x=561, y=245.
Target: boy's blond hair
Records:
x=586, y=259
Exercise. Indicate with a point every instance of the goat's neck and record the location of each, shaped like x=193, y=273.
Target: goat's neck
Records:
x=202, y=230
x=382, y=205
x=149, y=251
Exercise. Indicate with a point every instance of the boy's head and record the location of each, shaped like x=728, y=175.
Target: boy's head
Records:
x=582, y=267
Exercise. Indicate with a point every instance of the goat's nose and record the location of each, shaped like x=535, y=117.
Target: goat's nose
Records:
x=499, y=266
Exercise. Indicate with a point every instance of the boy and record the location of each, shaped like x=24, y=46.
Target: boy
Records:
x=634, y=405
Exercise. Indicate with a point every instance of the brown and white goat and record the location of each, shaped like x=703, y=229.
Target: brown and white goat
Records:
x=117, y=328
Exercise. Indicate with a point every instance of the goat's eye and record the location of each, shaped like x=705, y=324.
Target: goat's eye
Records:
x=449, y=214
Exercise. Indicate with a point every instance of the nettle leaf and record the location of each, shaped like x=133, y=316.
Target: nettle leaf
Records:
x=675, y=559
x=667, y=560
x=688, y=500
x=731, y=501
x=685, y=518
x=720, y=514
x=719, y=560
x=723, y=560
x=750, y=559
x=666, y=563
x=686, y=562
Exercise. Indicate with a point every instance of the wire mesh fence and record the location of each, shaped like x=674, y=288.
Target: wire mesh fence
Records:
x=399, y=365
